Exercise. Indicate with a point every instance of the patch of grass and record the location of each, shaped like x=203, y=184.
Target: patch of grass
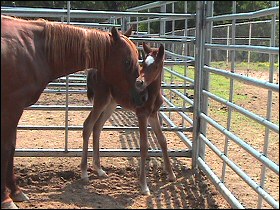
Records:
x=259, y=66
x=179, y=69
x=219, y=85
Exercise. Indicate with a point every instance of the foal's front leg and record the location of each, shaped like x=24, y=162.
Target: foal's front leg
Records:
x=155, y=124
x=144, y=153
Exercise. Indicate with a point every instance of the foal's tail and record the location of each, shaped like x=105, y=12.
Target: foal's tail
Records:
x=91, y=78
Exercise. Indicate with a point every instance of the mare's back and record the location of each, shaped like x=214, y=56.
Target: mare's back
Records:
x=17, y=34
x=21, y=40
x=22, y=53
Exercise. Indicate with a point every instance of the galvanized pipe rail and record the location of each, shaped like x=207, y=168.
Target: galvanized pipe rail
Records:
x=89, y=108
x=131, y=152
x=58, y=13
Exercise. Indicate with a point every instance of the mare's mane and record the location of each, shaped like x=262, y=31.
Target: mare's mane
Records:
x=88, y=48
x=91, y=46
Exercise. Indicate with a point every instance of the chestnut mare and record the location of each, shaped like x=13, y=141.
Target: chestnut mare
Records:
x=34, y=53
x=149, y=84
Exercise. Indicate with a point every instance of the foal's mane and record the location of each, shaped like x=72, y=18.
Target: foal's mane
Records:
x=90, y=46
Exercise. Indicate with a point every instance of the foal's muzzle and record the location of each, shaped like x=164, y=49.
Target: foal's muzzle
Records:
x=139, y=84
x=139, y=97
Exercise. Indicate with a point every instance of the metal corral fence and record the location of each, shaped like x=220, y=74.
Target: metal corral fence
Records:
x=209, y=123
x=250, y=33
x=242, y=151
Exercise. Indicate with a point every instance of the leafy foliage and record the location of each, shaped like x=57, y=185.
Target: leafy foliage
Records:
x=221, y=7
x=89, y=5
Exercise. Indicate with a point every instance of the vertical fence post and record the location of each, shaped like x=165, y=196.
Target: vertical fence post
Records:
x=162, y=32
x=228, y=42
x=206, y=59
x=172, y=49
x=162, y=22
x=185, y=52
x=199, y=53
x=269, y=103
x=149, y=25
x=249, y=43
x=229, y=116
x=67, y=93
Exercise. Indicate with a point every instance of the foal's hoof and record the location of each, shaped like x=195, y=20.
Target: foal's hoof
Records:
x=8, y=205
x=19, y=196
x=84, y=176
x=171, y=178
x=85, y=179
x=146, y=191
x=102, y=173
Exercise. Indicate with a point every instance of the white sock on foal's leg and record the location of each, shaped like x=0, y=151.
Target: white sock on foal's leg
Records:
x=19, y=196
x=9, y=205
x=145, y=190
x=100, y=171
x=84, y=175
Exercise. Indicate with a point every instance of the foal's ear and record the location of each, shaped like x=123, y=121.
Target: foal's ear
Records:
x=115, y=34
x=160, y=53
x=146, y=48
x=128, y=32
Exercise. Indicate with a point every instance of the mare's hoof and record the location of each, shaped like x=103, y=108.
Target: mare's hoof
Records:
x=8, y=205
x=19, y=197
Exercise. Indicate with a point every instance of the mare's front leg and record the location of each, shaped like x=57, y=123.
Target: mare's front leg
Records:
x=96, y=136
x=142, y=119
x=16, y=193
x=155, y=124
x=8, y=143
x=100, y=103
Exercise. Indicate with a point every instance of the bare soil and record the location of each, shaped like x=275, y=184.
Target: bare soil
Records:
x=54, y=182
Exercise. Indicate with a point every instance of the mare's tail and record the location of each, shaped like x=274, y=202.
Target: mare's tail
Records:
x=91, y=79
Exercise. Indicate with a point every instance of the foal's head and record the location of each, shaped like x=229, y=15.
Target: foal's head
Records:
x=151, y=68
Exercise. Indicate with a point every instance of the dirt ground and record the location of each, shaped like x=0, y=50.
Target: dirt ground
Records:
x=54, y=182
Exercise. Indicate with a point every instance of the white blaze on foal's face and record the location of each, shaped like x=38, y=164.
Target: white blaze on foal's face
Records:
x=149, y=60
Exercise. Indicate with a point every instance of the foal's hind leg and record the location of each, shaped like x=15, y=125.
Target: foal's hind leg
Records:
x=100, y=104
x=87, y=128
x=155, y=124
x=96, y=136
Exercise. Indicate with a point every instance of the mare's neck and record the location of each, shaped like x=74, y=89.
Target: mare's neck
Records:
x=66, y=49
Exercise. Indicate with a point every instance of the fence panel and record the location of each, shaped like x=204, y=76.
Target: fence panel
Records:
x=238, y=127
